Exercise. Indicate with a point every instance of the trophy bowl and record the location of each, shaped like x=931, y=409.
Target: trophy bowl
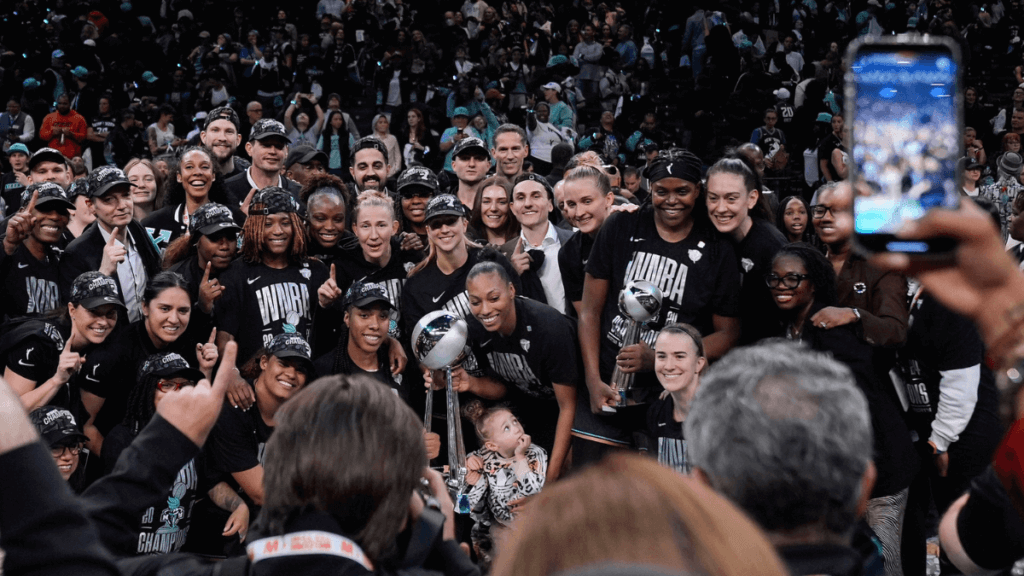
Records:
x=439, y=338
x=640, y=300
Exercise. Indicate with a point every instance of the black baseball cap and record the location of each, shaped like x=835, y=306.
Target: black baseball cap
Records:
x=362, y=294
x=221, y=113
x=291, y=345
x=445, y=205
x=168, y=364
x=268, y=128
x=57, y=426
x=46, y=155
x=94, y=289
x=79, y=187
x=104, y=179
x=370, y=143
x=275, y=200
x=211, y=218
x=304, y=154
x=471, y=143
x=416, y=179
x=49, y=194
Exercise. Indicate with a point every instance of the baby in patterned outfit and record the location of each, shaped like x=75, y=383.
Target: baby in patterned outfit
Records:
x=507, y=469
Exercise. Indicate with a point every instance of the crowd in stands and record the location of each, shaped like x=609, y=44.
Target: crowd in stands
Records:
x=224, y=223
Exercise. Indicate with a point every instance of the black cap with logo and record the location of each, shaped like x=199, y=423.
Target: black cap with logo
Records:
x=417, y=180
x=168, y=364
x=362, y=294
x=291, y=345
x=57, y=426
x=268, y=128
x=445, y=205
x=46, y=155
x=94, y=289
x=104, y=179
x=221, y=113
x=304, y=154
x=275, y=200
x=471, y=143
x=49, y=194
x=211, y=218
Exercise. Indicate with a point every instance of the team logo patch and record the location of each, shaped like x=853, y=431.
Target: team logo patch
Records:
x=525, y=344
x=747, y=264
x=694, y=255
x=305, y=273
x=860, y=287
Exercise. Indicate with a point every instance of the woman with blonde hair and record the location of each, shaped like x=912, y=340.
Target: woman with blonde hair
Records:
x=382, y=129
x=647, y=517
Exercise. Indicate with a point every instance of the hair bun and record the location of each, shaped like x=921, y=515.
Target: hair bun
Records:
x=474, y=411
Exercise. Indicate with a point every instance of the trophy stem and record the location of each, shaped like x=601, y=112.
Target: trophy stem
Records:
x=456, y=448
x=428, y=410
x=621, y=381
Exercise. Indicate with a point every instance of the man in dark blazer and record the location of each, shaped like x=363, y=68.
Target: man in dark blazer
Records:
x=115, y=244
x=268, y=146
x=534, y=253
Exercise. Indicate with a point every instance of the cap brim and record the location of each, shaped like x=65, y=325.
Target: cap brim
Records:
x=97, y=301
x=47, y=157
x=266, y=135
x=54, y=200
x=468, y=148
x=219, y=226
x=99, y=192
x=408, y=189
x=445, y=212
x=296, y=356
x=367, y=300
x=64, y=435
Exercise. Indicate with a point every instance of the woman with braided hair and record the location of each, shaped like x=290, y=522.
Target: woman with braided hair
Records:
x=164, y=527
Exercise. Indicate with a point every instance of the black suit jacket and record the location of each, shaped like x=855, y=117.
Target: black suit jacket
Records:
x=85, y=253
x=238, y=187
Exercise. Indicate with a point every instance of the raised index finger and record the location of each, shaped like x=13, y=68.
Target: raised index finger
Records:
x=334, y=276
x=32, y=203
x=206, y=274
x=227, y=368
x=213, y=336
x=113, y=236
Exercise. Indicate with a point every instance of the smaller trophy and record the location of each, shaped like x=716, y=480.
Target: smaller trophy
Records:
x=639, y=301
x=439, y=342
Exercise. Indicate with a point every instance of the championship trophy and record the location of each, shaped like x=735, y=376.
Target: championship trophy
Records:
x=439, y=341
x=640, y=302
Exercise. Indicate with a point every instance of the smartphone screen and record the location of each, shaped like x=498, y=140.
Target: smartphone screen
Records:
x=906, y=139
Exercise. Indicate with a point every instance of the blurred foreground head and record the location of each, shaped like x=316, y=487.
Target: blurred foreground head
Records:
x=630, y=515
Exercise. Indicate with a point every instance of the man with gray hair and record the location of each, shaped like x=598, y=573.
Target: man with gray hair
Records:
x=785, y=433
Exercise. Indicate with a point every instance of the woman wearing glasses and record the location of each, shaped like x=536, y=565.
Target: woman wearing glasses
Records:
x=803, y=283
x=111, y=373
x=59, y=430
x=164, y=526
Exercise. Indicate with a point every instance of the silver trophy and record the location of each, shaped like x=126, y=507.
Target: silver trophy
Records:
x=439, y=342
x=639, y=301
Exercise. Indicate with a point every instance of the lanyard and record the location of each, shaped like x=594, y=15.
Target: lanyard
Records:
x=305, y=543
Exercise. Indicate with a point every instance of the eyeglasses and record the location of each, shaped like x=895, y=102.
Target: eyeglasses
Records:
x=789, y=281
x=173, y=384
x=58, y=451
x=819, y=210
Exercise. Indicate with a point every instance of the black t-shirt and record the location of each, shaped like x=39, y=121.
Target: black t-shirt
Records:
x=199, y=323
x=990, y=529
x=758, y=311
x=11, y=191
x=353, y=267
x=431, y=289
x=668, y=435
x=237, y=441
x=572, y=264
x=30, y=286
x=825, y=148
x=940, y=340
x=539, y=353
x=31, y=349
x=163, y=526
x=111, y=371
x=698, y=277
x=260, y=302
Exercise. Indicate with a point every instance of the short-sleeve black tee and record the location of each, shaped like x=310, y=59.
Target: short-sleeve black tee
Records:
x=431, y=289
x=990, y=529
x=758, y=312
x=698, y=277
x=572, y=263
x=353, y=267
x=238, y=440
x=668, y=435
x=31, y=349
x=30, y=286
x=260, y=302
x=540, y=352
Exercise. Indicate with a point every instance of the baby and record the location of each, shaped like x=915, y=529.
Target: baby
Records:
x=507, y=469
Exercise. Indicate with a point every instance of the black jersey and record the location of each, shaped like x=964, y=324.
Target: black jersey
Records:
x=111, y=371
x=260, y=302
x=30, y=287
x=170, y=222
x=758, y=311
x=698, y=277
x=353, y=267
x=667, y=435
x=431, y=289
x=31, y=349
x=540, y=352
x=10, y=190
x=572, y=264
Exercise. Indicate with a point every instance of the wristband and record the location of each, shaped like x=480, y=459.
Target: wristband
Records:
x=857, y=314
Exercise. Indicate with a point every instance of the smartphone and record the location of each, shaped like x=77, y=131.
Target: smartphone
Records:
x=905, y=111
